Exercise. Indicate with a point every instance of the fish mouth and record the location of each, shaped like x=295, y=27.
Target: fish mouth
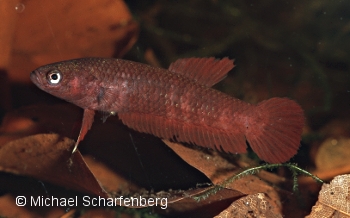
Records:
x=36, y=79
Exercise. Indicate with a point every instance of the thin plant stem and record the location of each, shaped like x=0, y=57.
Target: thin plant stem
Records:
x=254, y=170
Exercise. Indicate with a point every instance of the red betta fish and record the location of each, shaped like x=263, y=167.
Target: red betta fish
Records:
x=176, y=103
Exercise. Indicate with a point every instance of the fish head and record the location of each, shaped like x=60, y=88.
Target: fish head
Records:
x=73, y=81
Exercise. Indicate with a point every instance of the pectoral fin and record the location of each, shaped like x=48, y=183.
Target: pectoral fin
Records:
x=88, y=119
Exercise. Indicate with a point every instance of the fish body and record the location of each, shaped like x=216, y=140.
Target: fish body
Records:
x=176, y=103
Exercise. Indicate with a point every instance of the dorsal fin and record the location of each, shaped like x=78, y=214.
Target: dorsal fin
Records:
x=205, y=71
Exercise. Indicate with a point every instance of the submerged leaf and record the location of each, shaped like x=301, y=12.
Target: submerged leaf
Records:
x=49, y=157
x=257, y=205
x=333, y=153
x=182, y=203
x=334, y=199
x=219, y=169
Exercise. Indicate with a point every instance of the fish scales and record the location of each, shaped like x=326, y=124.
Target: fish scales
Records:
x=160, y=93
x=176, y=103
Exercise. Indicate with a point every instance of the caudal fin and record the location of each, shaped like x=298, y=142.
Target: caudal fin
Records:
x=274, y=128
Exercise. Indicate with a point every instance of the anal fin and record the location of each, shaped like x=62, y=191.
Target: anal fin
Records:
x=205, y=136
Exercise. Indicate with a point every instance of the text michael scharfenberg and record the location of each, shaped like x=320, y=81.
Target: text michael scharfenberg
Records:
x=95, y=201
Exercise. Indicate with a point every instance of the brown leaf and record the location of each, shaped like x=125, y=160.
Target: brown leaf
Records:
x=8, y=208
x=215, y=167
x=219, y=169
x=331, y=159
x=257, y=205
x=334, y=199
x=103, y=213
x=52, y=31
x=63, y=119
x=333, y=153
x=109, y=180
x=48, y=157
x=185, y=206
x=8, y=18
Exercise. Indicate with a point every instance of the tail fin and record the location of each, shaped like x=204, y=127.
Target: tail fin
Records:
x=274, y=129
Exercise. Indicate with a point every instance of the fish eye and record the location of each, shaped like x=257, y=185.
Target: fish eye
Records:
x=54, y=77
